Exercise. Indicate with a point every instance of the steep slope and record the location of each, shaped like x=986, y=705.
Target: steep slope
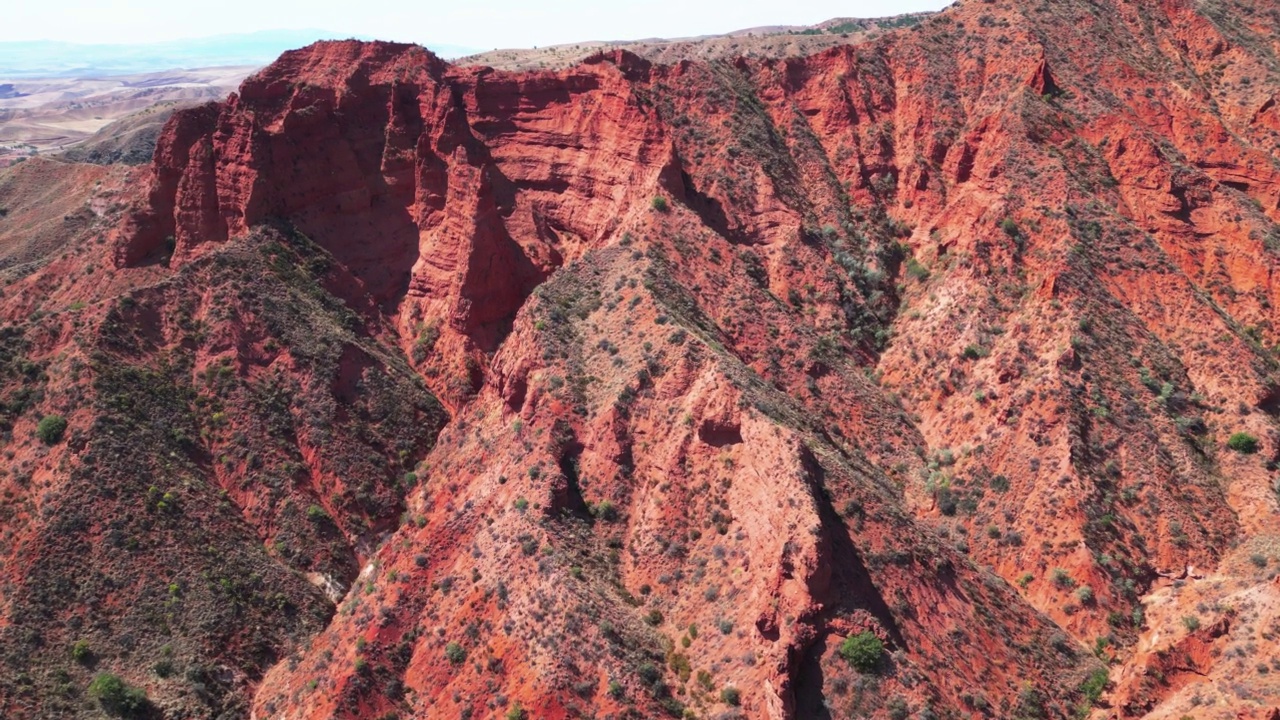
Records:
x=44, y=204
x=961, y=339
x=549, y=172
x=235, y=445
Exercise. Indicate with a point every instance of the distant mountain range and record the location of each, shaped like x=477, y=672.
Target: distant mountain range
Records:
x=47, y=58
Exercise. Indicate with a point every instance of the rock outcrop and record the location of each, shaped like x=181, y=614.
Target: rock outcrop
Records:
x=957, y=343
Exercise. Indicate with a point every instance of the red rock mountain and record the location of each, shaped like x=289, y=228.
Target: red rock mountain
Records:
x=934, y=375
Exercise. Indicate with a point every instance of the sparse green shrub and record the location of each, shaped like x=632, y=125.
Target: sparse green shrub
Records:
x=1093, y=686
x=1030, y=703
x=862, y=651
x=897, y=708
x=706, y=680
x=605, y=510
x=51, y=429
x=316, y=514
x=528, y=544
x=1060, y=578
x=80, y=652
x=680, y=666
x=1243, y=443
x=730, y=696
x=1061, y=643
x=426, y=342
x=917, y=271
x=1191, y=623
x=649, y=673
x=659, y=203
x=946, y=500
x=455, y=653
x=116, y=696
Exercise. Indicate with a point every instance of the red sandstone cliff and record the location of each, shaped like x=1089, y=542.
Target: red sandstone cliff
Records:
x=939, y=337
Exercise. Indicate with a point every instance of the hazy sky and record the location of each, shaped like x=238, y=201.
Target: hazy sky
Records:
x=482, y=24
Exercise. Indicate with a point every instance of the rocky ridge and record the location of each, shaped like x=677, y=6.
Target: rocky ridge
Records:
x=961, y=338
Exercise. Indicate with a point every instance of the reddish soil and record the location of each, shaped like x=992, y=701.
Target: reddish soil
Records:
x=398, y=389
